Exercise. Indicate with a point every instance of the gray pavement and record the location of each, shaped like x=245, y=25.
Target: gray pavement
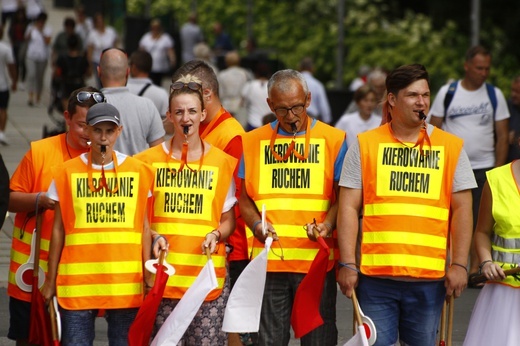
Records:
x=25, y=125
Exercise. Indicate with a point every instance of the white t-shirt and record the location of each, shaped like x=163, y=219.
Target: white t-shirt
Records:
x=158, y=49
x=37, y=49
x=6, y=58
x=352, y=124
x=255, y=97
x=101, y=41
x=470, y=117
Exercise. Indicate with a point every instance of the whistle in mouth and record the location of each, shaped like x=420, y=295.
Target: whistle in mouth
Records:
x=422, y=116
x=293, y=127
x=186, y=129
x=103, y=148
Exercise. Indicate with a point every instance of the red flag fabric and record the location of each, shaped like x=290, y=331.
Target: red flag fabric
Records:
x=141, y=329
x=40, y=332
x=306, y=315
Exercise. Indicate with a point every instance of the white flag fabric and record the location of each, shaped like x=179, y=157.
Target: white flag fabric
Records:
x=244, y=304
x=360, y=339
x=176, y=324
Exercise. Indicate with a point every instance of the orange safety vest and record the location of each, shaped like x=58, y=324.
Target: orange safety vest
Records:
x=187, y=206
x=101, y=265
x=506, y=231
x=294, y=192
x=34, y=174
x=406, y=198
x=220, y=134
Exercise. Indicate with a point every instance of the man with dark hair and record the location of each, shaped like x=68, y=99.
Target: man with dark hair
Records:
x=412, y=182
x=477, y=112
x=140, y=83
x=29, y=185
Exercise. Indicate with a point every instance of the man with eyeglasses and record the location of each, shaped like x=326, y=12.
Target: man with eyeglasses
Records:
x=28, y=186
x=292, y=166
x=141, y=121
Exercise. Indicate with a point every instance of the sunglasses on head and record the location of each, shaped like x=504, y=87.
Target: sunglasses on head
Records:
x=191, y=85
x=84, y=96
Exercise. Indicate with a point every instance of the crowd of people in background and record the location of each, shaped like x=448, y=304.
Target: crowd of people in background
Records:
x=220, y=114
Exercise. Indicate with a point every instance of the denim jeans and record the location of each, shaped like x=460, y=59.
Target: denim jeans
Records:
x=78, y=326
x=410, y=310
x=275, y=319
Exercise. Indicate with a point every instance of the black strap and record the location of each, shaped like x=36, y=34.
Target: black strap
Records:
x=141, y=93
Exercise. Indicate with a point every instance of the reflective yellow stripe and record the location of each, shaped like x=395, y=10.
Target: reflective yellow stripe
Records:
x=404, y=238
x=187, y=281
x=182, y=229
x=401, y=260
x=44, y=243
x=195, y=260
x=406, y=210
x=99, y=290
x=100, y=268
x=103, y=238
x=21, y=258
x=284, y=203
x=293, y=231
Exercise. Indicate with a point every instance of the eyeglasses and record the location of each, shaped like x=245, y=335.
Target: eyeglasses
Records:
x=84, y=96
x=180, y=85
x=296, y=110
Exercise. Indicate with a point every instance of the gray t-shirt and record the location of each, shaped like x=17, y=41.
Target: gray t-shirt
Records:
x=351, y=175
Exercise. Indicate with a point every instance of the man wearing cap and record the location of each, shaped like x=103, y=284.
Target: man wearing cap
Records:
x=100, y=236
x=28, y=187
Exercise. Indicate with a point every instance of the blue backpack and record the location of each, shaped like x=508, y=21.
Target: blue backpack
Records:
x=451, y=92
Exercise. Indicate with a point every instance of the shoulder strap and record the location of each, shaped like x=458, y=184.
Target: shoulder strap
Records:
x=449, y=97
x=143, y=90
x=492, y=97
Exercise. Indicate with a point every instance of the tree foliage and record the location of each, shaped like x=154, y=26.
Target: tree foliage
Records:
x=384, y=33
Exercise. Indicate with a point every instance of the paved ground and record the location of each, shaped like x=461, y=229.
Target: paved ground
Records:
x=25, y=125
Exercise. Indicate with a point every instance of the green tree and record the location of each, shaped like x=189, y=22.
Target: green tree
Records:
x=384, y=33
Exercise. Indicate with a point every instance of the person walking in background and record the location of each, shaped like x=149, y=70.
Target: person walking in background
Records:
x=84, y=26
x=513, y=104
x=232, y=81
x=254, y=96
x=99, y=200
x=7, y=68
x=319, y=107
x=412, y=182
x=71, y=69
x=38, y=35
x=140, y=119
x=160, y=46
x=497, y=248
x=16, y=35
x=33, y=8
x=221, y=44
x=29, y=185
x=100, y=38
x=140, y=84
x=376, y=79
x=317, y=154
x=191, y=34
x=476, y=112
x=190, y=230
x=60, y=47
x=9, y=8
x=362, y=120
